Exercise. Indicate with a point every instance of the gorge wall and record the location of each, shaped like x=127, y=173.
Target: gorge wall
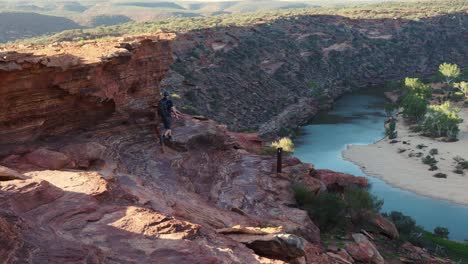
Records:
x=258, y=77
x=83, y=179
x=46, y=91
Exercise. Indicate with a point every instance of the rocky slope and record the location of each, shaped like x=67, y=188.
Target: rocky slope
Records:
x=83, y=179
x=259, y=77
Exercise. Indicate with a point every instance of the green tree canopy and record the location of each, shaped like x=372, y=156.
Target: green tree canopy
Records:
x=442, y=120
x=414, y=106
x=449, y=71
x=414, y=85
x=463, y=87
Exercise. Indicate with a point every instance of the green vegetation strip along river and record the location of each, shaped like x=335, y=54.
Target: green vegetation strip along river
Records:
x=358, y=119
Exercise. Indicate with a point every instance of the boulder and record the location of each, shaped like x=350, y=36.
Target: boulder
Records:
x=84, y=154
x=364, y=250
x=282, y=246
x=360, y=252
x=48, y=159
x=7, y=174
x=382, y=224
x=334, y=179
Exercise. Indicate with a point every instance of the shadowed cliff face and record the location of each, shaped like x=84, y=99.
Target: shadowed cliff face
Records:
x=48, y=91
x=249, y=78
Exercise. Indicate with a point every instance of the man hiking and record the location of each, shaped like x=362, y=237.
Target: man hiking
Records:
x=165, y=110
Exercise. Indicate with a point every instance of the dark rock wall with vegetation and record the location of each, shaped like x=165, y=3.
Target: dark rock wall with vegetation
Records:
x=246, y=76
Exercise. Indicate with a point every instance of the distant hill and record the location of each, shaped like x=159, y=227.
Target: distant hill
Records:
x=15, y=25
x=75, y=14
x=107, y=20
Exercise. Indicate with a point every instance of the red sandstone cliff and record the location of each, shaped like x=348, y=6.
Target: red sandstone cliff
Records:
x=60, y=88
x=83, y=180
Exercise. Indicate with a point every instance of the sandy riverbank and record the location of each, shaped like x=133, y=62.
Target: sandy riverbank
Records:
x=391, y=162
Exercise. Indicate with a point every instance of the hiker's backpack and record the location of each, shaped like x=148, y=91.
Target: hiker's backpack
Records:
x=162, y=108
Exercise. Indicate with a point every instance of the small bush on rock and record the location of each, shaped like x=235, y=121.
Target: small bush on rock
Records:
x=442, y=232
x=285, y=143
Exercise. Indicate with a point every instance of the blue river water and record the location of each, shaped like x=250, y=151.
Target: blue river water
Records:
x=358, y=119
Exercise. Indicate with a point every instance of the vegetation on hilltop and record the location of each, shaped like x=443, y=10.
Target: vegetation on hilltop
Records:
x=410, y=11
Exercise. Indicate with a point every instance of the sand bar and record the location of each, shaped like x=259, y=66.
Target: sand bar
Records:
x=383, y=160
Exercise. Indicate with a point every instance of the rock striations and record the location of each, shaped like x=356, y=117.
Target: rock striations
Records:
x=63, y=87
x=83, y=179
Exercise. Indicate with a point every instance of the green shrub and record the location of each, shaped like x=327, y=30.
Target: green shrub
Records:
x=390, y=131
x=434, y=151
x=464, y=165
x=410, y=231
x=417, y=87
x=429, y=160
x=454, y=250
x=458, y=159
x=438, y=91
x=405, y=224
x=359, y=200
x=414, y=106
x=440, y=175
x=449, y=71
x=442, y=232
x=390, y=109
x=285, y=143
x=463, y=87
x=327, y=210
x=441, y=120
x=458, y=96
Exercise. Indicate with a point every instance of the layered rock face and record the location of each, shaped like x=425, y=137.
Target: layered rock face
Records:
x=63, y=87
x=260, y=77
x=137, y=205
x=83, y=178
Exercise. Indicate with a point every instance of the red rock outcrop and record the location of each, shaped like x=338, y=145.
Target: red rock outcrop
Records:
x=60, y=88
x=86, y=180
x=381, y=224
x=364, y=250
x=335, y=180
